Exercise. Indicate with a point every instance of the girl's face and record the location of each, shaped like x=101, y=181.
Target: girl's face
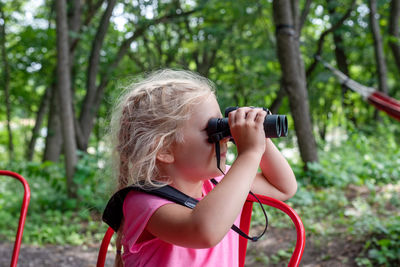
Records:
x=195, y=157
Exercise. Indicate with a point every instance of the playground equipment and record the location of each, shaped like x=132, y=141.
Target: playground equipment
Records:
x=245, y=221
x=22, y=217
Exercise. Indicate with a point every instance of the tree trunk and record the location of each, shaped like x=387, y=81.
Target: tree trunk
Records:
x=53, y=144
x=341, y=58
x=303, y=17
x=6, y=82
x=88, y=113
x=74, y=27
x=64, y=90
x=38, y=123
x=74, y=21
x=394, y=31
x=340, y=54
x=293, y=78
x=378, y=47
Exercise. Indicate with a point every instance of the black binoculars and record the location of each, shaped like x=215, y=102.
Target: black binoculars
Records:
x=274, y=126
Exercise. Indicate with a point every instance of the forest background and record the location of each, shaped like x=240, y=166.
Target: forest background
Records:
x=65, y=62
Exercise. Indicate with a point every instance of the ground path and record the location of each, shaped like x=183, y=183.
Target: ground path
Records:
x=340, y=253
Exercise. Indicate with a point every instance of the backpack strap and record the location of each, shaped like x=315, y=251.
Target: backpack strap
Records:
x=113, y=212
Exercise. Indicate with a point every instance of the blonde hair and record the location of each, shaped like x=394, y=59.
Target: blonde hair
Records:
x=148, y=117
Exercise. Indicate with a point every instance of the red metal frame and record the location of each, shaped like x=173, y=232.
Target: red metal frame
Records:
x=101, y=258
x=22, y=217
x=245, y=227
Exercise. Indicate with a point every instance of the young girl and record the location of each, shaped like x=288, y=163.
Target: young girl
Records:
x=160, y=133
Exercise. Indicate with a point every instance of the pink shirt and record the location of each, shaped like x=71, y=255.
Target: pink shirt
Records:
x=138, y=208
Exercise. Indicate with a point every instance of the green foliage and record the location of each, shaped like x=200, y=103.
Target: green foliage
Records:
x=383, y=248
x=356, y=158
x=281, y=256
x=52, y=216
x=352, y=193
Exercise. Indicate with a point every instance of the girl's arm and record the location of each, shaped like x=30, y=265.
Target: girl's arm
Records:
x=207, y=224
x=276, y=178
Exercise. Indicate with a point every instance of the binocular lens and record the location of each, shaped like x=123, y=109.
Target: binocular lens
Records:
x=276, y=126
x=272, y=126
x=284, y=125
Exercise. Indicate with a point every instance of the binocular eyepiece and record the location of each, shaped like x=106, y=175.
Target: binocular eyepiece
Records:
x=274, y=126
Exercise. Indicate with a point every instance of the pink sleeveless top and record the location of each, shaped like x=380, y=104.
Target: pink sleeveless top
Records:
x=138, y=208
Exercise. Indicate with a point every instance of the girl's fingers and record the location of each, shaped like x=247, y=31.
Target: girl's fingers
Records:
x=251, y=115
x=240, y=114
x=261, y=116
x=256, y=115
x=247, y=114
x=237, y=116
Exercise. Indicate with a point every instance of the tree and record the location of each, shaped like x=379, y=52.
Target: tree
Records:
x=378, y=48
x=54, y=141
x=293, y=77
x=394, y=31
x=340, y=54
x=40, y=117
x=64, y=94
x=99, y=69
x=232, y=42
x=93, y=93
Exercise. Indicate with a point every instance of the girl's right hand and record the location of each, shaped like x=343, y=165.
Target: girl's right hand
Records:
x=247, y=129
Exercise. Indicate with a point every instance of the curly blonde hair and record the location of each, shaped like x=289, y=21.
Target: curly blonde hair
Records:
x=148, y=117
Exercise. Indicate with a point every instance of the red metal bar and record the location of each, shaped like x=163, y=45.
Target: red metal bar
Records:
x=22, y=217
x=301, y=234
x=245, y=227
x=101, y=258
x=245, y=221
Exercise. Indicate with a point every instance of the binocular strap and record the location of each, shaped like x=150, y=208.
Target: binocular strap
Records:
x=234, y=227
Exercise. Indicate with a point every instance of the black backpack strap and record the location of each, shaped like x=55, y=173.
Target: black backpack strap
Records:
x=113, y=212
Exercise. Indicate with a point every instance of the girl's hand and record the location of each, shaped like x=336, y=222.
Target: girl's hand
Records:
x=247, y=129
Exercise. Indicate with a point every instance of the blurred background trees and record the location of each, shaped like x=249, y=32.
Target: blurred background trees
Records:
x=259, y=53
x=63, y=63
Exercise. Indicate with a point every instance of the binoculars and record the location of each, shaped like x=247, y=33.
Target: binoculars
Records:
x=274, y=126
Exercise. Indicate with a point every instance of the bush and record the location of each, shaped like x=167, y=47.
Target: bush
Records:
x=53, y=217
x=357, y=160
x=383, y=246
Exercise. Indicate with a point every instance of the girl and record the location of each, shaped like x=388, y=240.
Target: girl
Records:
x=160, y=134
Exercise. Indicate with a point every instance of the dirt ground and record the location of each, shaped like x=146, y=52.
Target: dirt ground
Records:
x=338, y=252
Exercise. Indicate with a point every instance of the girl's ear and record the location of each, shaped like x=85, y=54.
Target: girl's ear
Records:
x=165, y=156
